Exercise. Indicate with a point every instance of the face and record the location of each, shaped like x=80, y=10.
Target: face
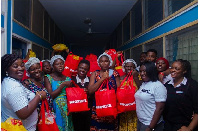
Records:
x=104, y=63
x=35, y=71
x=58, y=65
x=142, y=58
x=177, y=70
x=129, y=66
x=161, y=65
x=143, y=74
x=82, y=70
x=151, y=56
x=46, y=67
x=16, y=70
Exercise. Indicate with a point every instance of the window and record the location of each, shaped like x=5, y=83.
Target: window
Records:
x=126, y=28
x=153, y=12
x=127, y=54
x=136, y=19
x=135, y=54
x=184, y=45
x=157, y=45
x=46, y=54
x=46, y=25
x=22, y=11
x=52, y=31
x=38, y=51
x=119, y=35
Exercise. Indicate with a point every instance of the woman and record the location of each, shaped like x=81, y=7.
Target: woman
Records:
x=46, y=67
x=56, y=83
x=35, y=83
x=162, y=65
x=128, y=120
x=150, y=99
x=81, y=120
x=17, y=101
x=96, y=79
x=181, y=110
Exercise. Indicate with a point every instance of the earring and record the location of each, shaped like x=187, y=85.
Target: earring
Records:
x=6, y=73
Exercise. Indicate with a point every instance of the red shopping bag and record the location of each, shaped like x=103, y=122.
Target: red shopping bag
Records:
x=71, y=65
x=112, y=53
x=118, y=66
x=125, y=95
x=93, y=63
x=76, y=99
x=46, y=118
x=105, y=101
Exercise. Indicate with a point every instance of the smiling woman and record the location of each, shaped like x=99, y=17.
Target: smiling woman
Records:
x=17, y=101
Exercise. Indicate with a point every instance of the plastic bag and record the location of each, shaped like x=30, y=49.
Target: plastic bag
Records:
x=32, y=54
x=59, y=47
x=12, y=125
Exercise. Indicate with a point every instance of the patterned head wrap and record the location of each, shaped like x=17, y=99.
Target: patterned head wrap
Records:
x=30, y=62
x=104, y=54
x=126, y=61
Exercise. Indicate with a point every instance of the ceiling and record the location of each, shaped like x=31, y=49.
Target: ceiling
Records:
x=105, y=15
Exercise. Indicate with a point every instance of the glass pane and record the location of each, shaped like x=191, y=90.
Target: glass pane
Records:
x=38, y=51
x=135, y=54
x=127, y=54
x=126, y=28
x=22, y=11
x=46, y=54
x=46, y=25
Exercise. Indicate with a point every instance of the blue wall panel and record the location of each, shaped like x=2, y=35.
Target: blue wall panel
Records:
x=183, y=19
x=2, y=21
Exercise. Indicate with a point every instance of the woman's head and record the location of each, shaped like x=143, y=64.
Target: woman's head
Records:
x=57, y=62
x=83, y=68
x=46, y=66
x=180, y=68
x=33, y=67
x=129, y=65
x=162, y=64
x=148, y=72
x=104, y=61
x=13, y=66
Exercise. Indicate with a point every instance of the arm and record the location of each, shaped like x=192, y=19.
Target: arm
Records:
x=192, y=124
x=156, y=115
x=55, y=93
x=93, y=87
x=136, y=78
x=163, y=74
x=32, y=105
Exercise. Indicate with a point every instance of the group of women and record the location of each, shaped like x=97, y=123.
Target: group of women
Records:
x=162, y=103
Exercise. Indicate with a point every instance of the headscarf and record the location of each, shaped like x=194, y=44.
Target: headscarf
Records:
x=30, y=62
x=55, y=57
x=126, y=61
x=104, y=54
x=165, y=60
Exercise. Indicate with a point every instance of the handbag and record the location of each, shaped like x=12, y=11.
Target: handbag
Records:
x=125, y=95
x=47, y=120
x=105, y=101
x=76, y=99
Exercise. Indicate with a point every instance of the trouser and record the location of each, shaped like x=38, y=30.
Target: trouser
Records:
x=143, y=127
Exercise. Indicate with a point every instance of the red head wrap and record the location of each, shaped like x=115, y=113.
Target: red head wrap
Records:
x=165, y=60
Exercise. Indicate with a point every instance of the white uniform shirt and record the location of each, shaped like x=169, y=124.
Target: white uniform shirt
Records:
x=146, y=98
x=14, y=96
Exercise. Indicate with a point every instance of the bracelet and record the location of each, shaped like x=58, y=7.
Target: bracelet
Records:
x=162, y=73
x=39, y=95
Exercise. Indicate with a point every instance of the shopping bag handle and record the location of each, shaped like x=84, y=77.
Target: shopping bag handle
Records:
x=43, y=107
x=76, y=85
x=129, y=76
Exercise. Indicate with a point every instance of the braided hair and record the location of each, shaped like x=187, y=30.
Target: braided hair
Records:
x=6, y=61
x=186, y=67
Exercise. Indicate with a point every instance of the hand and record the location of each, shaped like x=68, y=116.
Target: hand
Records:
x=135, y=73
x=184, y=128
x=43, y=94
x=85, y=90
x=105, y=75
x=66, y=83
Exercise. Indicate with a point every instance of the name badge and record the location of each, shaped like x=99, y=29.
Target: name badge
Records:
x=179, y=92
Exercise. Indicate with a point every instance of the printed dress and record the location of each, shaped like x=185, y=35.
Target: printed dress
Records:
x=104, y=123
x=63, y=120
x=128, y=120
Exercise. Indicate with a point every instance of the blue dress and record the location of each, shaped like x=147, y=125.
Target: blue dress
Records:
x=63, y=120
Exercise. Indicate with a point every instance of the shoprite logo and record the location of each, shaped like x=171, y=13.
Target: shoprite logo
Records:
x=77, y=101
x=104, y=106
x=128, y=104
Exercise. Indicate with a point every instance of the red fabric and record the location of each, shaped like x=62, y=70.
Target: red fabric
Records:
x=43, y=126
x=93, y=63
x=105, y=101
x=71, y=65
x=112, y=53
x=76, y=99
x=118, y=66
x=125, y=95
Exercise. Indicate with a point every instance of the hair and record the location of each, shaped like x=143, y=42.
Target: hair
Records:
x=165, y=60
x=186, y=67
x=151, y=70
x=152, y=50
x=84, y=61
x=6, y=61
x=143, y=53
